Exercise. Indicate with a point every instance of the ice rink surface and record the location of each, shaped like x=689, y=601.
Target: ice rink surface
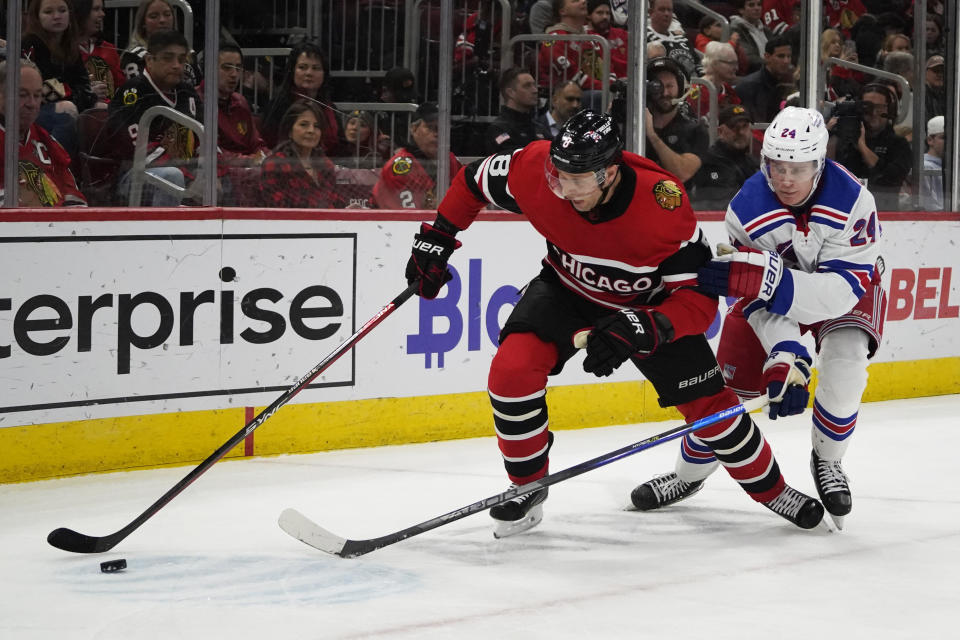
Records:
x=213, y=563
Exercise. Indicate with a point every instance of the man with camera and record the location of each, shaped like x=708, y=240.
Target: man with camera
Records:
x=863, y=140
x=675, y=140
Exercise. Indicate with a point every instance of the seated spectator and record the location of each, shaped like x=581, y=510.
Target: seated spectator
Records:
x=664, y=28
x=408, y=179
x=564, y=102
x=936, y=94
x=779, y=15
x=720, y=69
x=44, y=166
x=931, y=182
x=759, y=91
x=240, y=147
x=474, y=47
x=541, y=16
x=298, y=174
x=893, y=42
x=675, y=140
x=50, y=41
x=870, y=148
x=399, y=86
x=305, y=78
x=172, y=148
x=711, y=30
x=363, y=144
x=580, y=61
x=728, y=163
x=841, y=80
x=362, y=152
x=152, y=16
x=100, y=58
x=516, y=125
x=748, y=24
x=598, y=13
x=936, y=44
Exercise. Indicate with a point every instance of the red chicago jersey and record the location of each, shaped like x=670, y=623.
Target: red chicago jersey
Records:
x=646, y=255
x=45, y=177
x=580, y=61
x=406, y=183
x=618, y=51
x=779, y=15
x=102, y=62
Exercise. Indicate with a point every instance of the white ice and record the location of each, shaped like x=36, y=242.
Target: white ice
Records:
x=213, y=563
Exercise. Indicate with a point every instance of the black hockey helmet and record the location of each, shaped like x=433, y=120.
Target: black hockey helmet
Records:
x=587, y=142
x=664, y=63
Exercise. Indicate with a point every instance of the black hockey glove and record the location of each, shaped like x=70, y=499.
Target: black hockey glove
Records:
x=623, y=334
x=428, y=260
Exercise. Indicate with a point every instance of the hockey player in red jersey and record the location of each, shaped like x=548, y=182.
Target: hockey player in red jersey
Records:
x=805, y=239
x=623, y=248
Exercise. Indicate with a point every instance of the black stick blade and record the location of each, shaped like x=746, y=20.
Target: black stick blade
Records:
x=70, y=540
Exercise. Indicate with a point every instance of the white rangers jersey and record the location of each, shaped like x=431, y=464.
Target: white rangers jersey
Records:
x=829, y=250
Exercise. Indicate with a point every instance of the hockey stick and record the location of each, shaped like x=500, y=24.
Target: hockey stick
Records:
x=312, y=534
x=70, y=540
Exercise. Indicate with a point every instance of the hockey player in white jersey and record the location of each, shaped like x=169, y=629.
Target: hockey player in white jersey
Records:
x=804, y=258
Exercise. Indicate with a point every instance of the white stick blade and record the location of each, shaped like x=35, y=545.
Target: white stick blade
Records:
x=309, y=532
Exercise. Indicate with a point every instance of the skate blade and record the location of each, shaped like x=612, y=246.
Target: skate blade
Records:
x=837, y=521
x=507, y=528
x=833, y=524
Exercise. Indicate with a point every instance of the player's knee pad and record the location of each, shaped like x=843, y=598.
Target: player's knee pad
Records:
x=521, y=365
x=842, y=370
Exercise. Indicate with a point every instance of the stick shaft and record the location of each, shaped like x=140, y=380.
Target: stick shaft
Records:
x=69, y=540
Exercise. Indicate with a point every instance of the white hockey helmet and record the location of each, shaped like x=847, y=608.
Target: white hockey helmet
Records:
x=796, y=135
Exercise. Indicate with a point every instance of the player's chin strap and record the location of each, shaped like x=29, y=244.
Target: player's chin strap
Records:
x=605, y=190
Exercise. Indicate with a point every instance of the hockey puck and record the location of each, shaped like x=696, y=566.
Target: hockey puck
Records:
x=112, y=566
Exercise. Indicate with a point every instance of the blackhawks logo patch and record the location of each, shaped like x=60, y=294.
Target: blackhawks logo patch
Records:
x=667, y=194
x=130, y=97
x=402, y=166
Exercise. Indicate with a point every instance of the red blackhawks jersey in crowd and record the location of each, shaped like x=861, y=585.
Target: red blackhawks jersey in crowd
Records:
x=45, y=177
x=641, y=249
x=102, y=62
x=408, y=180
x=618, y=51
x=580, y=61
x=779, y=15
x=170, y=143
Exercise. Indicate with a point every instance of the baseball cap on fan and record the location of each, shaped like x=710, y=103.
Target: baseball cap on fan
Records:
x=402, y=84
x=428, y=112
x=732, y=114
x=934, y=62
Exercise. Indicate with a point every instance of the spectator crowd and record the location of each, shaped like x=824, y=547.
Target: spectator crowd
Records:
x=712, y=87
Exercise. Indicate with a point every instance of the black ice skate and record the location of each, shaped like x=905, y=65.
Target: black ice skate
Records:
x=519, y=514
x=833, y=487
x=663, y=490
x=800, y=509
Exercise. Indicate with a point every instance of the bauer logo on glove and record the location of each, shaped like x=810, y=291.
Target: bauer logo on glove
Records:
x=744, y=273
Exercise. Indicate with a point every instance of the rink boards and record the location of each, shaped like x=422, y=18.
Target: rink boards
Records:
x=147, y=338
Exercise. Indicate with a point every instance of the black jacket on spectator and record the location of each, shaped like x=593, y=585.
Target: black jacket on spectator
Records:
x=73, y=75
x=723, y=172
x=760, y=94
x=170, y=144
x=683, y=134
x=885, y=179
x=514, y=129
